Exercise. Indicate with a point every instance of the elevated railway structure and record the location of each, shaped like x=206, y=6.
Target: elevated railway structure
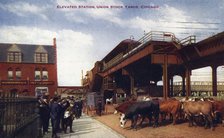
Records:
x=156, y=56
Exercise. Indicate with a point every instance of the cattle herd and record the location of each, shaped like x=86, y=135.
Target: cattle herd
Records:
x=197, y=111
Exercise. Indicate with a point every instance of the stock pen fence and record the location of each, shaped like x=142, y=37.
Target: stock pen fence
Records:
x=19, y=116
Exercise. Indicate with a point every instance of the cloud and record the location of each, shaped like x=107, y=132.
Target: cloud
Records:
x=170, y=19
x=75, y=49
x=142, y=23
x=221, y=6
x=167, y=21
x=22, y=34
x=25, y=9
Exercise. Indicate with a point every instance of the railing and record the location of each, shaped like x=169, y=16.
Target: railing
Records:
x=200, y=83
x=16, y=113
x=113, y=61
x=158, y=36
x=200, y=86
x=188, y=40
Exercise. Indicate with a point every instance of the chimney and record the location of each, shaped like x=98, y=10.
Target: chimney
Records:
x=55, y=59
x=54, y=42
x=55, y=50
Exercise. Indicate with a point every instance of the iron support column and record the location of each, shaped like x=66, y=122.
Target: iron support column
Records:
x=171, y=86
x=188, y=83
x=183, y=85
x=214, y=80
x=165, y=78
x=132, y=85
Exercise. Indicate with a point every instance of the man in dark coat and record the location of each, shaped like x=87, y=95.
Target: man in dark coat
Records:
x=80, y=107
x=55, y=116
x=76, y=108
x=44, y=114
x=99, y=107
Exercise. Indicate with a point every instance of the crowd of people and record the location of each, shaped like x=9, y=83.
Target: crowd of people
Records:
x=60, y=112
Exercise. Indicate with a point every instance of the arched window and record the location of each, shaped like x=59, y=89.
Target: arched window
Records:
x=18, y=73
x=45, y=74
x=37, y=74
x=10, y=74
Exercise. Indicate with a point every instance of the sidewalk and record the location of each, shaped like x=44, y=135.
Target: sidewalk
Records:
x=87, y=127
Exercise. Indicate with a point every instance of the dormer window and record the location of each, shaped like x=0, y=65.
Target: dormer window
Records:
x=14, y=54
x=41, y=55
x=14, y=57
x=41, y=58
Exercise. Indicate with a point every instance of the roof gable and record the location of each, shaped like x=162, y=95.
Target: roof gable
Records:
x=14, y=48
x=40, y=49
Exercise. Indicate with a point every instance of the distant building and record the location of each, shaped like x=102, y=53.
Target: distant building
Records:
x=75, y=91
x=28, y=69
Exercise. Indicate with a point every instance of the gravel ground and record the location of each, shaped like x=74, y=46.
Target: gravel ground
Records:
x=181, y=130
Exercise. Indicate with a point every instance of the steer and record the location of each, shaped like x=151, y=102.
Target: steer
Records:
x=142, y=108
x=124, y=106
x=219, y=110
x=195, y=108
x=172, y=107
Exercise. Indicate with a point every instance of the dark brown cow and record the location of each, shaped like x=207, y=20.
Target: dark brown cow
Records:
x=144, y=109
x=196, y=108
x=170, y=106
x=219, y=110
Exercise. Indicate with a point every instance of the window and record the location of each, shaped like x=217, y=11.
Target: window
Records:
x=37, y=74
x=18, y=74
x=41, y=58
x=10, y=74
x=41, y=91
x=45, y=74
x=14, y=57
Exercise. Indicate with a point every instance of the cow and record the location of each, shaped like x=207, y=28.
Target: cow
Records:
x=218, y=110
x=124, y=106
x=170, y=106
x=142, y=108
x=196, y=108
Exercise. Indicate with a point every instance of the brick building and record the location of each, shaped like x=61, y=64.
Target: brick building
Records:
x=28, y=69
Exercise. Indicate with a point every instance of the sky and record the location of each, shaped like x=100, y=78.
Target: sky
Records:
x=85, y=34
